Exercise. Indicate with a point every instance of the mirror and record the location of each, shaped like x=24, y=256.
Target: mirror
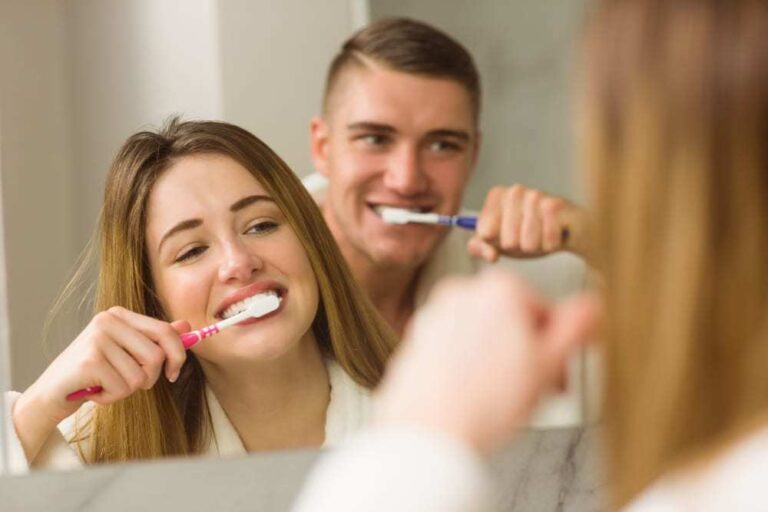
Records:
x=81, y=76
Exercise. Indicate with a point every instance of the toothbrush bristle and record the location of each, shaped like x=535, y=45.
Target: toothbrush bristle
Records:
x=394, y=215
x=263, y=304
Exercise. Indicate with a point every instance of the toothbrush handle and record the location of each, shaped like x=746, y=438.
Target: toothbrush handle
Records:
x=191, y=338
x=469, y=223
x=188, y=339
x=82, y=393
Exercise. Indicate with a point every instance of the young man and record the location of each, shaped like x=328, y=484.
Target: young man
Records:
x=400, y=128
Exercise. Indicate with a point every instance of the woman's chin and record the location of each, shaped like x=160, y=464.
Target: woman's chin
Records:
x=257, y=347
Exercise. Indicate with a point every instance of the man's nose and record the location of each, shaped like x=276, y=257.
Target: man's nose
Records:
x=238, y=262
x=405, y=174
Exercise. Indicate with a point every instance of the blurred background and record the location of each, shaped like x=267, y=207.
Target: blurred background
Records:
x=79, y=76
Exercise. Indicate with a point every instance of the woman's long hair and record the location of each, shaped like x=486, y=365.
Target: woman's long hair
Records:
x=172, y=419
x=675, y=118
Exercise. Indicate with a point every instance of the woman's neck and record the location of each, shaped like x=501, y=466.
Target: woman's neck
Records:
x=277, y=404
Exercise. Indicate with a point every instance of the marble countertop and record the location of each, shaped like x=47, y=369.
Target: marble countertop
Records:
x=551, y=470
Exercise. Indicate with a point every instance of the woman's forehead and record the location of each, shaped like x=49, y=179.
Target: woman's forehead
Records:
x=213, y=171
x=198, y=186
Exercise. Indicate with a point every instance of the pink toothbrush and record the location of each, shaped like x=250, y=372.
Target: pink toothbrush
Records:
x=258, y=306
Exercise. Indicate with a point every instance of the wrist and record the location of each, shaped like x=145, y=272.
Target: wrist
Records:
x=33, y=421
x=578, y=233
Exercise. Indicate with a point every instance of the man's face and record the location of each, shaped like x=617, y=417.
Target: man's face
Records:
x=393, y=139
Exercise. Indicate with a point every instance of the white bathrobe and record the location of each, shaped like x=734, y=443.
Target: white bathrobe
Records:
x=348, y=411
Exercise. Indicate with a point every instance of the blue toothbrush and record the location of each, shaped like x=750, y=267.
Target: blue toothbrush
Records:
x=402, y=216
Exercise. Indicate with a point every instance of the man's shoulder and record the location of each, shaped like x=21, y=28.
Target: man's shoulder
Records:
x=452, y=256
x=450, y=259
x=317, y=185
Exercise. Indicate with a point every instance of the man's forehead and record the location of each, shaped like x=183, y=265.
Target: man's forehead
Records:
x=396, y=98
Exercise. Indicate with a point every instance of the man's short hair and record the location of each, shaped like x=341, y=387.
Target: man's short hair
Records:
x=409, y=46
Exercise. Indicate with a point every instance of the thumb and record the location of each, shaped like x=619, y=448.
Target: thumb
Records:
x=573, y=325
x=181, y=326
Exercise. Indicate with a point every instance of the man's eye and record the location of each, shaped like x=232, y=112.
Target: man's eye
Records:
x=375, y=139
x=444, y=145
x=262, y=228
x=191, y=253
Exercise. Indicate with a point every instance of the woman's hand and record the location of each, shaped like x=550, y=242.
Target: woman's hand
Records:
x=119, y=350
x=521, y=222
x=479, y=355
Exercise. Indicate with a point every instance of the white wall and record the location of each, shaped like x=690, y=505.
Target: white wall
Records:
x=274, y=60
x=134, y=63
x=36, y=161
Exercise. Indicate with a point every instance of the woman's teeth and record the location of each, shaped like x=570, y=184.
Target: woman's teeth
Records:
x=237, y=307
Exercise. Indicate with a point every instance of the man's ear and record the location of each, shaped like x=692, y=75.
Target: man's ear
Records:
x=318, y=143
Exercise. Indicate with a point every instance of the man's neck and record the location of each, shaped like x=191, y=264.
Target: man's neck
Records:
x=391, y=288
x=277, y=404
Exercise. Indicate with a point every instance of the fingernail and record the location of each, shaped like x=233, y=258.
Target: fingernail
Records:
x=174, y=377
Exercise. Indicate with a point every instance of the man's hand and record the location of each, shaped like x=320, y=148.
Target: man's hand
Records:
x=524, y=223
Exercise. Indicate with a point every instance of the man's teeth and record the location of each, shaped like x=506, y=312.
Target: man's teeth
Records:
x=378, y=209
x=238, y=307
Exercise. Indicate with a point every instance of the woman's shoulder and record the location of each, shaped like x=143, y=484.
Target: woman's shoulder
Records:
x=734, y=480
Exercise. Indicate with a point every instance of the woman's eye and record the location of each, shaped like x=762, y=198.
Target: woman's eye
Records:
x=263, y=227
x=191, y=253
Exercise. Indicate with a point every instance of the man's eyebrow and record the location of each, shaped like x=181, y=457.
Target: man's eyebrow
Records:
x=445, y=132
x=385, y=128
x=247, y=201
x=181, y=226
x=371, y=126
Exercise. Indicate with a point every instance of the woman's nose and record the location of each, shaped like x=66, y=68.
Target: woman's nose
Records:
x=238, y=262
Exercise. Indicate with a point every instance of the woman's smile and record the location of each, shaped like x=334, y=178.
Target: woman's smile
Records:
x=239, y=300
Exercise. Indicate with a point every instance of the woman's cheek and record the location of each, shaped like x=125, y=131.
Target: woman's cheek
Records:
x=188, y=299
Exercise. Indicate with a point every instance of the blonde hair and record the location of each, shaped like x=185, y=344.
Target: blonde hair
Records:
x=676, y=127
x=172, y=419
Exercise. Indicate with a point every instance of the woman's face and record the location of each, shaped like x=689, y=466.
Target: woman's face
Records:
x=214, y=238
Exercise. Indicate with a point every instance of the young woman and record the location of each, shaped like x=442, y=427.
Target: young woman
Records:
x=675, y=127
x=197, y=218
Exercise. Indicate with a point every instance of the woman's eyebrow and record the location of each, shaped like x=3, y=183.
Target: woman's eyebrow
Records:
x=247, y=201
x=181, y=226
x=193, y=223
